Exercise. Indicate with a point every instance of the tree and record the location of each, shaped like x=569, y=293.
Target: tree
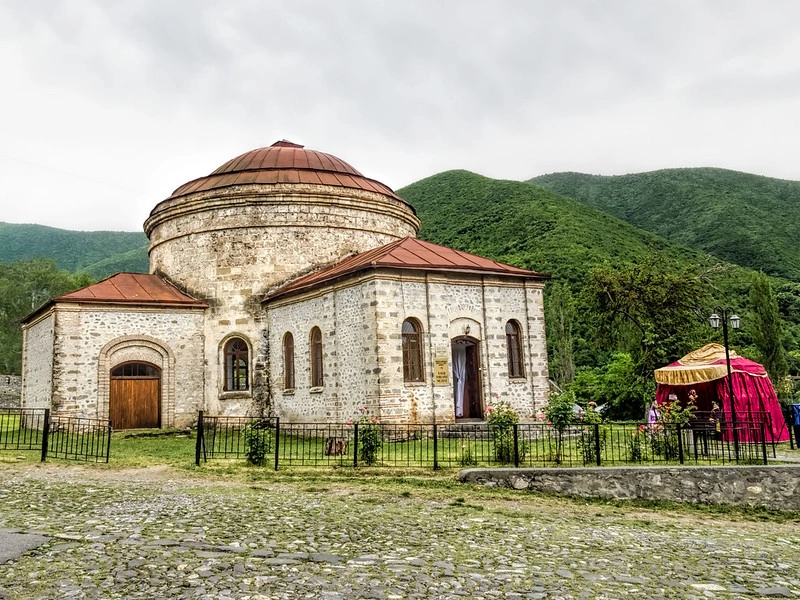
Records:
x=617, y=385
x=766, y=330
x=24, y=286
x=559, y=317
x=652, y=310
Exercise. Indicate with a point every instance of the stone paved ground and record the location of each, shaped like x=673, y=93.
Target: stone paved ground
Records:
x=161, y=534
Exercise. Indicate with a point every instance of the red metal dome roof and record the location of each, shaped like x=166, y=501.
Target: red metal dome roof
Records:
x=284, y=162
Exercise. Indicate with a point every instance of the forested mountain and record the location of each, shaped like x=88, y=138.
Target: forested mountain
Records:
x=745, y=219
x=98, y=253
x=529, y=226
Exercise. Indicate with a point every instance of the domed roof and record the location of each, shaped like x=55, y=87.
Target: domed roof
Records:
x=284, y=162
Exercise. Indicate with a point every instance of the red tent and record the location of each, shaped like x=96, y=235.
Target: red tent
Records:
x=706, y=372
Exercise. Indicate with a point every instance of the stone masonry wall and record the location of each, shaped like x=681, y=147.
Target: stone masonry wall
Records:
x=775, y=487
x=448, y=307
x=361, y=324
x=346, y=321
x=10, y=391
x=37, y=361
x=91, y=340
x=244, y=240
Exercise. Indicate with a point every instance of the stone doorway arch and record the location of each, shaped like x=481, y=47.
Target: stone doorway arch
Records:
x=139, y=349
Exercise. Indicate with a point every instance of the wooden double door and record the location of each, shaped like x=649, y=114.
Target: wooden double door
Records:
x=134, y=400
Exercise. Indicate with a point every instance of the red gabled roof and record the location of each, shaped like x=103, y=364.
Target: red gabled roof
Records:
x=410, y=254
x=132, y=288
x=127, y=288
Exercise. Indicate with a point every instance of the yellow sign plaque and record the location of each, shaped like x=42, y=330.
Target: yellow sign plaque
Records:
x=440, y=371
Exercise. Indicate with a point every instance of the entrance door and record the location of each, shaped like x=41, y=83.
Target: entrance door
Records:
x=134, y=396
x=466, y=378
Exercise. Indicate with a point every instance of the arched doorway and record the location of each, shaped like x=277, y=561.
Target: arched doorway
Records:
x=134, y=400
x=466, y=378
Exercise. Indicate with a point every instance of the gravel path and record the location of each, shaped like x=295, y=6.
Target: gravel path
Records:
x=157, y=534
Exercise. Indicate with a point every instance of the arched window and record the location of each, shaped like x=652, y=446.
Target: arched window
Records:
x=514, y=349
x=412, y=351
x=288, y=361
x=317, y=378
x=236, y=365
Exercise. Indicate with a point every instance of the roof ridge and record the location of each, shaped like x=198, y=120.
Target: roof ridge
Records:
x=379, y=258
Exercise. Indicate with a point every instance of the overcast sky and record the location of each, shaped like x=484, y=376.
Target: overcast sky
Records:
x=108, y=106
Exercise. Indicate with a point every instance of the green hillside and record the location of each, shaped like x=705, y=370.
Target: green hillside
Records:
x=99, y=253
x=745, y=219
x=529, y=226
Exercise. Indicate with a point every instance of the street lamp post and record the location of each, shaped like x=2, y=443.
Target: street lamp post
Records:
x=716, y=320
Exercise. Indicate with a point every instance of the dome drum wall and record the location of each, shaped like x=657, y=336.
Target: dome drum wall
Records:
x=262, y=236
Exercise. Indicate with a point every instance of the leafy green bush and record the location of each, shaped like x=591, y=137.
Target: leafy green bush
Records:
x=592, y=438
x=501, y=420
x=258, y=438
x=560, y=415
x=369, y=437
x=637, y=444
x=468, y=458
x=664, y=432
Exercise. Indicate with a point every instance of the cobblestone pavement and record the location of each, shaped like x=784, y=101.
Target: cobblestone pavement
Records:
x=146, y=534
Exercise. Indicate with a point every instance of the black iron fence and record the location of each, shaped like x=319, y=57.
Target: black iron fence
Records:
x=277, y=443
x=70, y=438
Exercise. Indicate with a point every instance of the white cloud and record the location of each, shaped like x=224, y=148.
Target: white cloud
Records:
x=110, y=106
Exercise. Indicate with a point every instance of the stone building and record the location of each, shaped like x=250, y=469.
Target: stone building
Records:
x=287, y=283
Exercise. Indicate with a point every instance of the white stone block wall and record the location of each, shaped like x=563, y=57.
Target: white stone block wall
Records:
x=90, y=340
x=345, y=317
x=37, y=361
x=219, y=328
x=445, y=306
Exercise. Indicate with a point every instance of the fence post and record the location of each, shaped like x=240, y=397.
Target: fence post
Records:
x=277, y=439
x=45, y=433
x=680, y=442
x=435, y=448
x=198, y=444
x=108, y=443
x=771, y=429
x=597, y=459
x=764, y=442
x=355, y=444
x=516, y=445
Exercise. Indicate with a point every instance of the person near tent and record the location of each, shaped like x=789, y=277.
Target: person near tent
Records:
x=716, y=413
x=705, y=372
x=652, y=414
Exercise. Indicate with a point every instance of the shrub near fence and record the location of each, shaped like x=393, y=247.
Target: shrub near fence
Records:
x=69, y=438
x=272, y=441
